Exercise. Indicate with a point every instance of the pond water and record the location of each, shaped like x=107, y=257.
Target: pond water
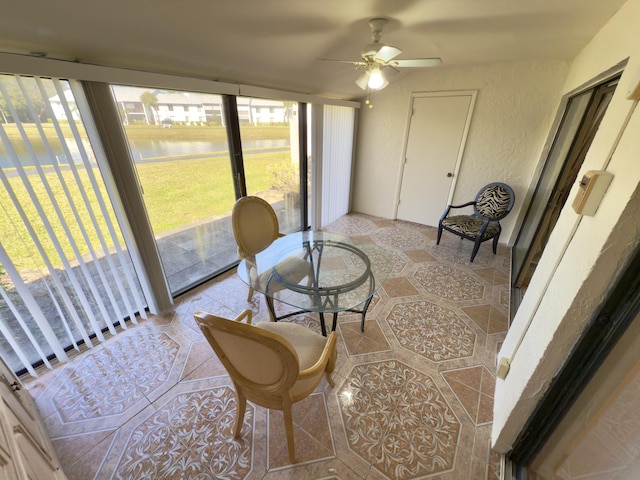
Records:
x=141, y=150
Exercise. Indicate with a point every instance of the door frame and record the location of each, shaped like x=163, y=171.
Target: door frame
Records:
x=566, y=177
x=463, y=140
x=603, y=331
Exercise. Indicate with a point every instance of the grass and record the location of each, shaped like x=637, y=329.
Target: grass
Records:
x=176, y=193
x=180, y=192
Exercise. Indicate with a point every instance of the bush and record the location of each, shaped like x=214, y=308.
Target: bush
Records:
x=283, y=175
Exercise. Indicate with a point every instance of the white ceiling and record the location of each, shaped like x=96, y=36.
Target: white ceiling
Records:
x=276, y=43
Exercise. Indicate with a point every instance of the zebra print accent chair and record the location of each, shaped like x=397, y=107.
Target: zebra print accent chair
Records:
x=493, y=202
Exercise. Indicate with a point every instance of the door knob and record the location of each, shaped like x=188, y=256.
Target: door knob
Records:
x=449, y=174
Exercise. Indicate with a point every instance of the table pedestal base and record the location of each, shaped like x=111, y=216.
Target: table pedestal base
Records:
x=274, y=318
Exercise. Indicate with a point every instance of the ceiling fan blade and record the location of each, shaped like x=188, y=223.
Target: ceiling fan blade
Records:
x=386, y=53
x=390, y=70
x=357, y=63
x=416, y=62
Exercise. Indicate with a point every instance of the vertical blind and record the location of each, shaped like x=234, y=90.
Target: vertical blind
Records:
x=338, y=131
x=65, y=274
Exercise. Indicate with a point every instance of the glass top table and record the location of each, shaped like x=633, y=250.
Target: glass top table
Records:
x=319, y=272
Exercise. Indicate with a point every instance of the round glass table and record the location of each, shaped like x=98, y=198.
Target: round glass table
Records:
x=316, y=271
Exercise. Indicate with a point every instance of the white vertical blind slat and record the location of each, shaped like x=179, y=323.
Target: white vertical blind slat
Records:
x=63, y=222
x=46, y=223
x=36, y=312
x=36, y=241
x=140, y=304
x=336, y=164
x=97, y=265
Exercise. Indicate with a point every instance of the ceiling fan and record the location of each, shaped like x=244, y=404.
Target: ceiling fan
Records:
x=378, y=60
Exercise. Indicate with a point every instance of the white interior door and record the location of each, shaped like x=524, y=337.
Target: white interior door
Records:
x=435, y=142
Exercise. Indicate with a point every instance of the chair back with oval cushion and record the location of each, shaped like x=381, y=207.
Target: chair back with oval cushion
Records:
x=255, y=227
x=271, y=364
x=493, y=202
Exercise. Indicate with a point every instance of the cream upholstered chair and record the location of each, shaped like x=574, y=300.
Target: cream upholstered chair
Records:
x=271, y=364
x=255, y=227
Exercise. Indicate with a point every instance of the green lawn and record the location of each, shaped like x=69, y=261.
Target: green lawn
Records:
x=176, y=193
x=180, y=192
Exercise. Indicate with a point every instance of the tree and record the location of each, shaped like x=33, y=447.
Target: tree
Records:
x=18, y=99
x=150, y=102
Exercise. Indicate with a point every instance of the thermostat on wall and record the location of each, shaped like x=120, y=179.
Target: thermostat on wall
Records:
x=593, y=186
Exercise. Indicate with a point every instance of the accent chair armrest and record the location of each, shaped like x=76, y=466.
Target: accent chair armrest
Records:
x=460, y=206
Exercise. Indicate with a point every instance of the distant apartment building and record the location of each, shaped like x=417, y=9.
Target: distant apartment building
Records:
x=183, y=108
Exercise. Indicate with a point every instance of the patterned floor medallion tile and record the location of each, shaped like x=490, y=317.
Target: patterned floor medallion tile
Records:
x=455, y=250
x=153, y=356
x=96, y=388
x=190, y=437
x=505, y=298
x=396, y=418
x=448, y=282
x=399, y=238
x=112, y=383
x=352, y=226
x=431, y=331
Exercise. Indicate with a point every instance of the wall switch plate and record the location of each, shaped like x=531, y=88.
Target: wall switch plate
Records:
x=633, y=92
x=593, y=186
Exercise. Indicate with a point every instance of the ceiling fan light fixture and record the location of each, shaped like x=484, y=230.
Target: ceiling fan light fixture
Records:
x=376, y=78
x=363, y=80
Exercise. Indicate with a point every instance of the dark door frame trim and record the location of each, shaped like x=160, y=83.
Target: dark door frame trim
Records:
x=603, y=331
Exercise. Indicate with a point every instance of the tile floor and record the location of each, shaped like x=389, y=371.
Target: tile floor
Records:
x=413, y=396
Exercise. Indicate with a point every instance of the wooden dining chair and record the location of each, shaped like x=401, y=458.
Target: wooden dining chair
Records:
x=255, y=227
x=271, y=364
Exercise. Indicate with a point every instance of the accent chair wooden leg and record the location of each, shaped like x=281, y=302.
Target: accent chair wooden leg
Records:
x=288, y=426
x=476, y=246
x=250, y=294
x=242, y=406
x=330, y=378
x=439, y=234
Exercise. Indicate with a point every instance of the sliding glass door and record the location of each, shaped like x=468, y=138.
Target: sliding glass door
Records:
x=271, y=156
x=116, y=198
x=178, y=142
x=190, y=175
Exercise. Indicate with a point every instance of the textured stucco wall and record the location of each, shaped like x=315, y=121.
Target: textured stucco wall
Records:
x=584, y=254
x=515, y=107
